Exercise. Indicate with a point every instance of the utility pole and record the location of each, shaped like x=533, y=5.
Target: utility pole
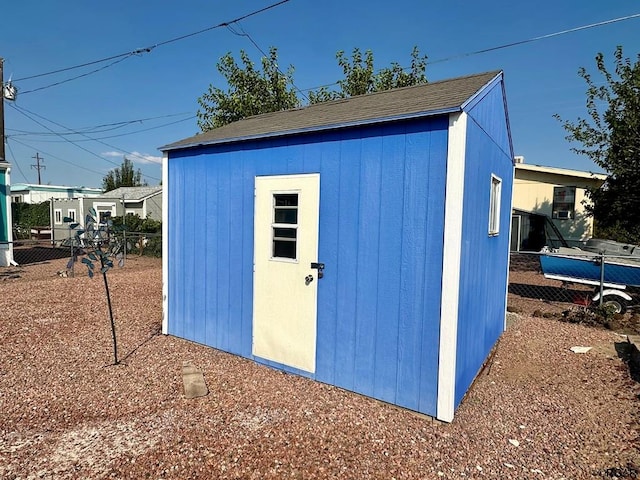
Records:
x=9, y=92
x=3, y=158
x=38, y=167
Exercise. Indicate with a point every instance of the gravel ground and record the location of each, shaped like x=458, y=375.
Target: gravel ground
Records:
x=536, y=411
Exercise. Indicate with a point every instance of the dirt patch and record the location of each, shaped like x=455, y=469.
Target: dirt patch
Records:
x=537, y=411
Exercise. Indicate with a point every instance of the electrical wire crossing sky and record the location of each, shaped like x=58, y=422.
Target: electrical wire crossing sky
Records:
x=101, y=82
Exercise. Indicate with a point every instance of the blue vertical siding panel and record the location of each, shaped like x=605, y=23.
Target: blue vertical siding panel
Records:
x=328, y=254
x=433, y=261
x=346, y=264
x=367, y=262
x=236, y=273
x=225, y=194
x=174, y=322
x=209, y=211
x=411, y=315
x=388, y=301
x=199, y=251
x=175, y=291
x=484, y=258
x=423, y=216
x=186, y=211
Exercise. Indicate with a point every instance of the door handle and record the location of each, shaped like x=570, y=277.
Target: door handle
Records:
x=319, y=267
x=308, y=279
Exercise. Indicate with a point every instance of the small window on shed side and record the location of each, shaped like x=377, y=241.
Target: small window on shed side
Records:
x=57, y=216
x=494, y=205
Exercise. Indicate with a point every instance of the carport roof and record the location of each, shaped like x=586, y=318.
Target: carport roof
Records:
x=429, y=99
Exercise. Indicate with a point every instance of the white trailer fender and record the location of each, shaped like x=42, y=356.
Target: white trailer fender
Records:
x=612, y=291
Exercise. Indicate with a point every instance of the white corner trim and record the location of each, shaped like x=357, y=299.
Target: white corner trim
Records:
x=454, y=192
x=165, y=243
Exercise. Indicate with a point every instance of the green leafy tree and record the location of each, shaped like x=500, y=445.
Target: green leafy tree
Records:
x=100, y=251
x=610, y=137
x=27, y=215
x=360, y=76
x=251, y=91
x=123, y=176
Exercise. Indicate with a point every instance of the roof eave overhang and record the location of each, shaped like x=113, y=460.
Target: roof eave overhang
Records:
x=321, y=128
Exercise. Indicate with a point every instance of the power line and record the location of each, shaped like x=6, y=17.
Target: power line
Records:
x=74, y=78
x=96, y=139
x=57, y=158
x=245, y=34
x=92, y=139
x=512, y=44
x=123, y=56
x=541, y=37
x=26, y=113
x=15, y=162
x=101, y=129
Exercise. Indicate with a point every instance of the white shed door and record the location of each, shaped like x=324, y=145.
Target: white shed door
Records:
x=285, y=285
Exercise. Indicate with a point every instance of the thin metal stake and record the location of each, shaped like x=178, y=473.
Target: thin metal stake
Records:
x=601, y=277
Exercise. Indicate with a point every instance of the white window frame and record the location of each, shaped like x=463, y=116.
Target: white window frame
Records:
x=569, y=210
x=495, y=197
x=104, y=207
x=57, y=216
x=274, y=225
x=72, y=214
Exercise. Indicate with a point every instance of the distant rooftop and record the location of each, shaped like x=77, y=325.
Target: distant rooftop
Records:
x=132, y=193
x=53, y=188
x=560, y=171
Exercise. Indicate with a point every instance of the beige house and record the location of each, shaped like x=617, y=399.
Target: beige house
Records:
x=559, y=194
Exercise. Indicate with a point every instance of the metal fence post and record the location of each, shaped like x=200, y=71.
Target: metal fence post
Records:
x=73, y=272
x=601, y=277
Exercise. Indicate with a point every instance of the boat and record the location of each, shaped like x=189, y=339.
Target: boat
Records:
x=609, y=266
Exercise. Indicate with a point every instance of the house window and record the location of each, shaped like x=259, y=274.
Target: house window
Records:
x=285, y=225
x=494, y=205
x=57, y=216
x=71, y=213
x=104, y=216
x=564, y=202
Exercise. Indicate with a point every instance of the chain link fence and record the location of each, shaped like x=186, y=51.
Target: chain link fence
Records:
x=552, y=283
x=38, y=247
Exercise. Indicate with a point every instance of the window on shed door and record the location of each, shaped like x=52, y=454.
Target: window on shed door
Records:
x=284, y=228
x=494, y=205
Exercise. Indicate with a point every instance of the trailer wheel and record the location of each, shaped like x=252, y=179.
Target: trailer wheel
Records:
x=615, y=303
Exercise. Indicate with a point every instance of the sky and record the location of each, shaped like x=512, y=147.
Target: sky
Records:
x=141, y=100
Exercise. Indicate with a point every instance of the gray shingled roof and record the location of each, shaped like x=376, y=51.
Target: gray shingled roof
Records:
x=131, y=193
x=422, y=100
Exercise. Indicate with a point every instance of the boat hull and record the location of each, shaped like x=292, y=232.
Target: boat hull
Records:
x=588, y=269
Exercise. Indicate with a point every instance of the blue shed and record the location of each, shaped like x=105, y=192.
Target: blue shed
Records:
x=362, y=242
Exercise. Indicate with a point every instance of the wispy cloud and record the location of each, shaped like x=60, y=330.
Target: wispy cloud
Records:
x=136, y=157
